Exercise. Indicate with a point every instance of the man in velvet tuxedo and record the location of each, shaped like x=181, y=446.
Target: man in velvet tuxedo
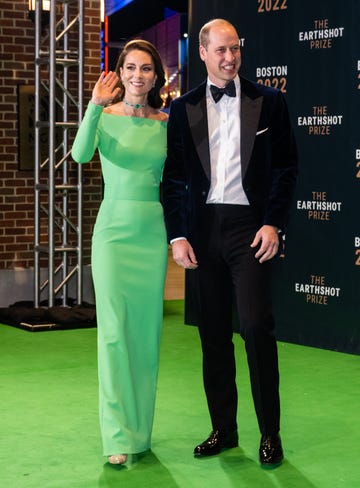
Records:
x=228, y=183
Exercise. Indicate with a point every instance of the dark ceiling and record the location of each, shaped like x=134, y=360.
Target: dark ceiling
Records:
x=139, y=15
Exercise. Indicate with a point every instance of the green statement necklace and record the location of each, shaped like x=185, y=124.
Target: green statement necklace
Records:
x=136, y=106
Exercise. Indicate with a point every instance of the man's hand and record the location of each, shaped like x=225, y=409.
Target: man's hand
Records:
x=268, y=236
x=183, y=254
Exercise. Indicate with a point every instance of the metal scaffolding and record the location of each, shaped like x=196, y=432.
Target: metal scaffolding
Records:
x=59, y=72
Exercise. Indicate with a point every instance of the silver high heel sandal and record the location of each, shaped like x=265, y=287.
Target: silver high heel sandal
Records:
x=117, y=459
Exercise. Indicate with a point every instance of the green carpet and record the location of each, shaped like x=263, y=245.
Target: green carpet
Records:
x=49, y=436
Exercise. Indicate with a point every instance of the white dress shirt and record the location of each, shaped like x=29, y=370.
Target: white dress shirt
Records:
x=224, y=143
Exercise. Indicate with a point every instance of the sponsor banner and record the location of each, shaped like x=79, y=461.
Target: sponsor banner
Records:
x=311, y=52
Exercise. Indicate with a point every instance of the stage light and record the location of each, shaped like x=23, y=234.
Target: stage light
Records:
x=45, y=11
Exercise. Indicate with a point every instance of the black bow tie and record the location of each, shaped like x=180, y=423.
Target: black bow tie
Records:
x=217, y=92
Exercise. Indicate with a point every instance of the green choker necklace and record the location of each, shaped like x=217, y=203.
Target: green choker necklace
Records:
x=136, y=106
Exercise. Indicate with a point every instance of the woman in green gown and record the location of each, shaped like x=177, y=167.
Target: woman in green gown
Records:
x=129, y=248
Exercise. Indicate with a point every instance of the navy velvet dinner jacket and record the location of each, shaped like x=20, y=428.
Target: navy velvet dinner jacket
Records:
x=268, y=159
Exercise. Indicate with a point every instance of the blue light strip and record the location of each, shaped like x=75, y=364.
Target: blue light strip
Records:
x=112, y=6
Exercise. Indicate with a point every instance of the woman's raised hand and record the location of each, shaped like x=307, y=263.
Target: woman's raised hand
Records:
x=105, y=89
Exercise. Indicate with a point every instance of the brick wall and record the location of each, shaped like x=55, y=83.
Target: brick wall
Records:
x=17, y=186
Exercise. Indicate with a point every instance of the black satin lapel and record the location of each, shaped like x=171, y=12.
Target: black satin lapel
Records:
x=250, y=114
x=197, y=115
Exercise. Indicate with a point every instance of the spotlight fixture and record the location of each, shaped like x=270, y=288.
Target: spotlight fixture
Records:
x=44, y=11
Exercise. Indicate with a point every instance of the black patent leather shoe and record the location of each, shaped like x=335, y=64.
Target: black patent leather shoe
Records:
x=270, y=451
x=216, y=442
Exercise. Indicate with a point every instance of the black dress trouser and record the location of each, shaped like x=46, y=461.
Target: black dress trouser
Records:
x=228, y=272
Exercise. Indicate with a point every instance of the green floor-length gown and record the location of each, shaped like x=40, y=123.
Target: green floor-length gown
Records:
x=129, y=259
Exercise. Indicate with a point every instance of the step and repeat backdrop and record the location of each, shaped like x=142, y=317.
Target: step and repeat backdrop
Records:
x=311, y=52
